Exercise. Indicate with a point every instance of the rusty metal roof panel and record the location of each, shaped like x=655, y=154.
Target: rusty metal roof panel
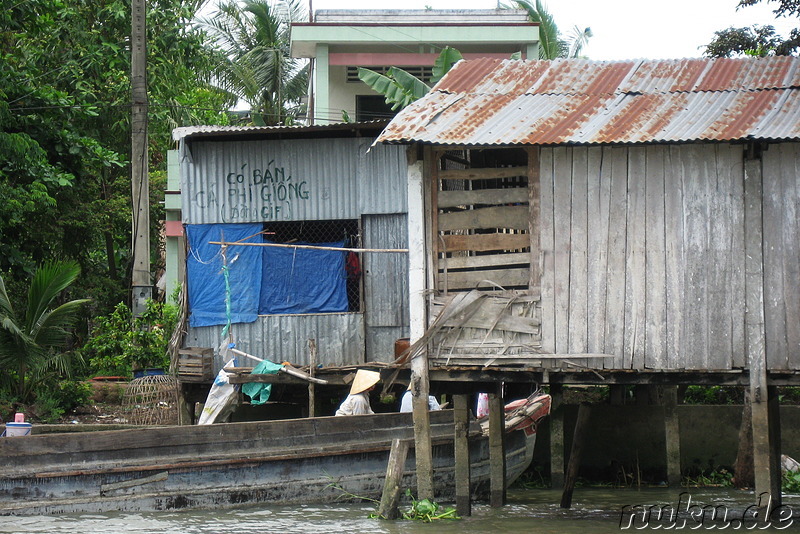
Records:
x=506, y=102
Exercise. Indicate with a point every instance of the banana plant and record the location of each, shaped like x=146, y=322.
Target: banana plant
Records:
x=401, y=88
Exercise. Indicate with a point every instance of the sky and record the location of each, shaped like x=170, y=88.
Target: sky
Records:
x=624, y=29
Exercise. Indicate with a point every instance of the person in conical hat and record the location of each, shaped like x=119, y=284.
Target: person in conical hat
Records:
x=357, y=402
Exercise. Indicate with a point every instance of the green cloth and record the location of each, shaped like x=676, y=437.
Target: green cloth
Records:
x=257, y=391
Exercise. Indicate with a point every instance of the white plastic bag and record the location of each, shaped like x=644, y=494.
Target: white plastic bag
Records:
x=221, y=399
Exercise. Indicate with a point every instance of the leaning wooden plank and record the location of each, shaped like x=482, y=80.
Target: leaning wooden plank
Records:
x=514, y=217
x=451, y=199
x=392, y=484
x=483, y=174
x=485, y=242
x=485, y=319
x=471, y=279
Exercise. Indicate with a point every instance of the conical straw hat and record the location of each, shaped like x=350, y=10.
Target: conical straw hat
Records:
x=364, y=380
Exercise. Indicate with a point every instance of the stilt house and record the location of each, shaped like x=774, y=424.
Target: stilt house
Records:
x=641, y=218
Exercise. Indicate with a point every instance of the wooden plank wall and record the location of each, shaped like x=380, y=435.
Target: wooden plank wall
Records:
x=781, y=214
x=643, y=254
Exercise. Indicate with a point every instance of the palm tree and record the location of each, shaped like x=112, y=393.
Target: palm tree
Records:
x=27, y=342
x=551, y=43
x=257, y=67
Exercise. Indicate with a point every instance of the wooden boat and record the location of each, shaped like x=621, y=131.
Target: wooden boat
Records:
x=288, y=461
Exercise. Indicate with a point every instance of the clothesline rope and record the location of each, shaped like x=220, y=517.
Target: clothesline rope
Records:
x=312, y=247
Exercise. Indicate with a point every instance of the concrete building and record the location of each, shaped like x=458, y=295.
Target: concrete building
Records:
x=340, y=41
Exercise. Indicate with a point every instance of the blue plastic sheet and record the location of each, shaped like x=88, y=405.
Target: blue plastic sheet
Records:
x=205, y=275
x=297, y=280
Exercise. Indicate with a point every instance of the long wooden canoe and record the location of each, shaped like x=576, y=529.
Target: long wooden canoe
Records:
x=289, y=461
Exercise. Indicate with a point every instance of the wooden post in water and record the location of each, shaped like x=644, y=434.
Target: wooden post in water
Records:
x=312, y=392
x=394, y=479
x=575, y=455
x=461, y=445
x=557, y=436
x=763, y=398
x=497, y=449
x=672, y=433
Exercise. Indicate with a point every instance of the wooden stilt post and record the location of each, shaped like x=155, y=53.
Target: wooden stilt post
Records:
x=394, y=479
x=557, y=437
x=575, y=455
x=672, y=434
x=422, y=430
x=763, y=400
x=743, y=475
x=497, y=453
x=461, y=415
x=312, y=392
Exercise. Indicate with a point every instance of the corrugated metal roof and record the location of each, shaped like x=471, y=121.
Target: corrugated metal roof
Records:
x=300, y=130
x=573, y=101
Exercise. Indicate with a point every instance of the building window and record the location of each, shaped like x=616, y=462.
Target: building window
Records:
x=373, y=108
x=423, y=73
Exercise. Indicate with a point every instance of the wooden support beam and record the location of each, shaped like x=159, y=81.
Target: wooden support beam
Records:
x=575, y=455
x=764, y=409
x=312, y=393
x=422, y=428
x=497, y=454
x=556, y=436
x=394, y=479
x=461, y=446
x=743, y=475
x=672, y=435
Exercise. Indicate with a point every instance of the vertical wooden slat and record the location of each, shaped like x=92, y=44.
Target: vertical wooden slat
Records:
x=675, y=258
x=462, y=467
x=635, y=305
x=735, y=303
x=790, y=174
x=655, y=260
x=497, y=456
x=599, y=198
x=436, y=244
x=392, y=484
x=719, y=256
x=562, y=198
x=617, y=252
x=534, y=224
x=578, y=261
x=547, y=245
x=695, y=311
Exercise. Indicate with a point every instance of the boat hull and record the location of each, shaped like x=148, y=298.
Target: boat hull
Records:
x=318, y=460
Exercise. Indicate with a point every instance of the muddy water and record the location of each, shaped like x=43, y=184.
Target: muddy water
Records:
x=535, y=511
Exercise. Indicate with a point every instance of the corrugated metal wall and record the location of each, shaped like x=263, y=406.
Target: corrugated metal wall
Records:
x=319, y=179
x=279, y=338
x=290, y=180
x=385, y=285
x=643, y=254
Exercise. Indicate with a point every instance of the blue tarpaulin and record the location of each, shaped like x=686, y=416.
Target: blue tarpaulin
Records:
x=297, y=280
x=206, y=279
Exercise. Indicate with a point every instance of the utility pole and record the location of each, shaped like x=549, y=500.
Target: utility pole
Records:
x=141, y=285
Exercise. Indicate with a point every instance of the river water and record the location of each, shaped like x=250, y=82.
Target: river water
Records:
x=535, y=511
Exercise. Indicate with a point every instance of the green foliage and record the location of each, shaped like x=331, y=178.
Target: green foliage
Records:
x=57, y=398
x=427, y=510
x=401, y=88
x=757, y=40
x=719, y=477
x=790, y=482
x=713, y=395
x=120, y=343
x=65, y=129
x=552, y=44
x=31, y=340
x=254, y=61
